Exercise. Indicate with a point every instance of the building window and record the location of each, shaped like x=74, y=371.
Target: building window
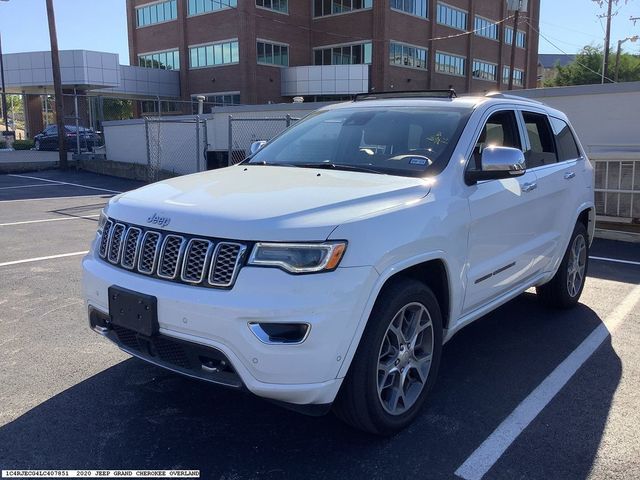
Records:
x=520, y=38
x=332, y=7
x=343, y=55
x=281, y=6
x=486, y=28
x=156, y=13
x=223, y=53
x=450, y=64
x=166, y=106
x=169, y=60
x=485, y=71
x=197, y=7
x=452, y=17
x=273, y=54
x=518, y=76
x=223, y=99
x=407, y=56
x=419, y=8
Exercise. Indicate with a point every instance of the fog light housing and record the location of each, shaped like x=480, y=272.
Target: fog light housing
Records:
x=280, y=333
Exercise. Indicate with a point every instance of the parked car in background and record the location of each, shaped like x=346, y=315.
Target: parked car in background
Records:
x=48, y=139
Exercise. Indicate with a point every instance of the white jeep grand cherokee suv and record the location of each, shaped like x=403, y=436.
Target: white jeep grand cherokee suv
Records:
x=329, y=268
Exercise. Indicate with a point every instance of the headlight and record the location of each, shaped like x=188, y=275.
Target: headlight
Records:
x=298, y=257
x=101, y=222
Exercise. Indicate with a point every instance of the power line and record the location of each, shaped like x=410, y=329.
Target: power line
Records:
x=561, y=50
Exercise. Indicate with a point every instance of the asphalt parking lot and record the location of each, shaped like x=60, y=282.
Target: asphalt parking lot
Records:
x=71, y=400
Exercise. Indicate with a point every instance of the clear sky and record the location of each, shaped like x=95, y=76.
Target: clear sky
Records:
x=101, y=25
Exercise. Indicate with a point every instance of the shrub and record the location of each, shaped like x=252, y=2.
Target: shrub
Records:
x=23, y=144
x=3, y=144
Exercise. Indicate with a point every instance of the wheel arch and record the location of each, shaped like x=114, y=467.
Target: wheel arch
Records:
x=587, y=216
x=432, y=270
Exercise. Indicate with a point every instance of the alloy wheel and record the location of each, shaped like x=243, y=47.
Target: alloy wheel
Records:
x=576, y=266
x=404, y=360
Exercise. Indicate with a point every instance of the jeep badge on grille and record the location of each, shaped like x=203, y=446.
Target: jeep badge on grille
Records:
x=159, y=220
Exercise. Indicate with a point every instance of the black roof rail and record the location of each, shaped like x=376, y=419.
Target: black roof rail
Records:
x=448, y=93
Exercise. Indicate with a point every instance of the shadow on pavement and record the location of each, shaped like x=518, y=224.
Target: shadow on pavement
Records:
x=136, y=416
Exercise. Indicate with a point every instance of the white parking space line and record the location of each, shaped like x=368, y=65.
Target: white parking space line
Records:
x=30, y=186
x=26, y=222
x=37, y=259
x=614, y=260
x=65, y=183
x=105, y=195
x=490, y=451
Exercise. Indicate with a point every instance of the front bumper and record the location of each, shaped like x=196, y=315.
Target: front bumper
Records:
x=306, y=373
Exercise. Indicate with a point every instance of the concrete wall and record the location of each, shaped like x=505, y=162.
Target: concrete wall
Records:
x=606, y=117
x=125, y=141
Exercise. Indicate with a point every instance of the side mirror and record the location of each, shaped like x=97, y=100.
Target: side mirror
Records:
x=255, y=146
x=498, y=163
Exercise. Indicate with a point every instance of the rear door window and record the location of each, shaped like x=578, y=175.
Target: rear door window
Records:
x=565, y=141
x=541, y=140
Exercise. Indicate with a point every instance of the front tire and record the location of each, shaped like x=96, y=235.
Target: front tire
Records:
x=565, y=288
x=396, y=363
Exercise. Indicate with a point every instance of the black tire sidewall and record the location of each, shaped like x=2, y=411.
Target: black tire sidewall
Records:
x=563, y=269
x=386, y=308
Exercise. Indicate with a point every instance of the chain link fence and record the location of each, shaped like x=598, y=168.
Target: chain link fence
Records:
x=244, y=131
x=175, y=146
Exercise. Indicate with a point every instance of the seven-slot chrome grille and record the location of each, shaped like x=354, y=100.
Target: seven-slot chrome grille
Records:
x=171, y=256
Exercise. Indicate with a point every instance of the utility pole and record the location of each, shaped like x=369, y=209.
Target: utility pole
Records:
x=512, y=69
x=4, y=93
x=57, y=86
x=607, y=41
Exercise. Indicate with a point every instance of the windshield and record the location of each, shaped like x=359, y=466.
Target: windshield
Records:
x=407, y=141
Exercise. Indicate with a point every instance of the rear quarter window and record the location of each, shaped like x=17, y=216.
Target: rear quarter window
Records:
x=565, y=141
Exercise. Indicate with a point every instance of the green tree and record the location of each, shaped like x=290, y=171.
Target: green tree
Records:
x=117, y=109
x=586, y=69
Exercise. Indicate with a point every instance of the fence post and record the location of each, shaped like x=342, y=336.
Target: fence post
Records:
x=198, y=163
x=146, y=134
x=206, y=145
x=288, y=120
x=230, y=139
x=77, y=115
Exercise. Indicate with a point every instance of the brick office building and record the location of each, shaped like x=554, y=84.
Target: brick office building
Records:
x=260, y=51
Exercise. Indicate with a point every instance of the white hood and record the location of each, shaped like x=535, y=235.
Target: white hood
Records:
x=265, y=203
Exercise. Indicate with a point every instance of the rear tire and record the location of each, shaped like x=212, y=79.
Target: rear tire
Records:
x=565, y=288
x=396, y=363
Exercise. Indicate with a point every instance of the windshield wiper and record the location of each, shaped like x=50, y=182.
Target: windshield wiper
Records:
x=271, y=164
x=338, y=166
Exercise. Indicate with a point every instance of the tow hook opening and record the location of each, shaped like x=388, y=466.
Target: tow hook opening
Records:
x=280, y=333
x=99, y=321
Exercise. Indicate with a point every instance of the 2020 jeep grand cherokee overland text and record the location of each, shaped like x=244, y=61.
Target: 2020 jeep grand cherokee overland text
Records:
x=330, y=267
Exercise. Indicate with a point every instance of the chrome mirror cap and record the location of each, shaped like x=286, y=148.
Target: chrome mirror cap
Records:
x=503, y=159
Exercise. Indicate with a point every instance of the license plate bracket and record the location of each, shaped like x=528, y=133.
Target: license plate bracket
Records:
x=133, y=310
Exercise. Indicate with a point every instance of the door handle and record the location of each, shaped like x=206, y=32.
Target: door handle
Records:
x=529, y=187
x=569, y=175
